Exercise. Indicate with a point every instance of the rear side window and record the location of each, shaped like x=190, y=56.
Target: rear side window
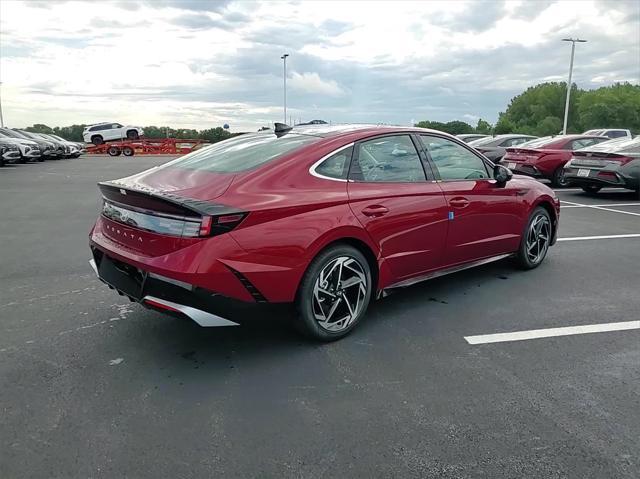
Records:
x=242, y=152
x=391, y=159
x=337, y=165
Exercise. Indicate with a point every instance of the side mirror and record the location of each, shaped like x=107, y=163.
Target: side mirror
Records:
x=502, y=174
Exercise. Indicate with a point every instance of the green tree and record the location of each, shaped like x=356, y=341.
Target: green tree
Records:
x=483, y=127
x=527, y=111
x=39, y=128
x=616, y=106
x=453, y=127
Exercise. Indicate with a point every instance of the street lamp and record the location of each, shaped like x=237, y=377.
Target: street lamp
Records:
x=284, y=58
x=1, y=119
x=566, y=105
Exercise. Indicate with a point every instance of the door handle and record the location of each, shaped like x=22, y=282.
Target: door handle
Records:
x=375, y=210
x=459, y=202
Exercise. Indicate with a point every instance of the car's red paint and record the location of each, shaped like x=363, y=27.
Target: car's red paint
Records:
x=544, y=161
x=405, y=228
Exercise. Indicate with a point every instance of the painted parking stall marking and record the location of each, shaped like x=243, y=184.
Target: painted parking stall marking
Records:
x=551, y=332
x=601, y=237
x=570, y=203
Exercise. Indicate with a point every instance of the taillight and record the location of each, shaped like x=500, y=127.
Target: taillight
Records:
x=623, y=160
x=222, y=223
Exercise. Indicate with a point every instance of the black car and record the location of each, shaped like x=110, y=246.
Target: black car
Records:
x=493, y=147
x=614, y=163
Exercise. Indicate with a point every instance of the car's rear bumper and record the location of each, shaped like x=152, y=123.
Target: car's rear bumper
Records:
x=611, y=175
x=164, y=294
x=521, y=168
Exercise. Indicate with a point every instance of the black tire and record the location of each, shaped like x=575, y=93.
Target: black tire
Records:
x=523, y=257
x=591, y=189
x=306, y=321
x=1, y=161
x=114, y=151
x=127, y=151
x=132, y=135
x=41, y=159
x=558, y=179
x=97, y=140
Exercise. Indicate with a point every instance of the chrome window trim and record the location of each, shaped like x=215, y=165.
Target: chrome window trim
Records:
x=312, y=168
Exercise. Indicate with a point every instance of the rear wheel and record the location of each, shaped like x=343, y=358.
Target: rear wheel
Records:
x=591, y=189
x=334, y=293
x=114, y=151
x=536, y=239
x=132, y=135
x=97, y=140
x=559, y=179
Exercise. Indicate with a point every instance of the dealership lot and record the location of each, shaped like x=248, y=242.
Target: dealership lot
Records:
x=93, y=385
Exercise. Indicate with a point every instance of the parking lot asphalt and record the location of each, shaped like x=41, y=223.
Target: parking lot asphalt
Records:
x=94, y=386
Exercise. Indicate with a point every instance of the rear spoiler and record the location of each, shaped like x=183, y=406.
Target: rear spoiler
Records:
x=160, y=201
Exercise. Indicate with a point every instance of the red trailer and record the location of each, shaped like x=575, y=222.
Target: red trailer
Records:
x=156, y=146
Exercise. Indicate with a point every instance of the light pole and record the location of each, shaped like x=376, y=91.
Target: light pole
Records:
x=1, y=119
x=566, y=105
x=284, y=58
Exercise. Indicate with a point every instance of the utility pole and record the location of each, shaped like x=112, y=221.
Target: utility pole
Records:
x=566, y=105
x=284, y=58
x=1, y=119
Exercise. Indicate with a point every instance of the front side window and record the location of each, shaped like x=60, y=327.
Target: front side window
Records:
x=391, y=159
x=616, y=134
x=337, y=165
x=453, y=161
x=242, y=152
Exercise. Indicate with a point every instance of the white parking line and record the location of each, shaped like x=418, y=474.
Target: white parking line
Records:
x=551, y=332
x=584, y=238
x=576, y=205
x=602, y=208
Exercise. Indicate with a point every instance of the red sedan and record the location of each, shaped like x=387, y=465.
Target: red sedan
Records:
x=546, y=157
x=326, y=217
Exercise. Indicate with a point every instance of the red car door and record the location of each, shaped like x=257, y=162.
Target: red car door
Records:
x=403, y=211
x=485, y=218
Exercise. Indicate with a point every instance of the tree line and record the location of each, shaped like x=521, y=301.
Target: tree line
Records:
x=539, y=111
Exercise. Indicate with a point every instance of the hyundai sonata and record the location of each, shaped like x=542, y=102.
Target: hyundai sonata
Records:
x=326, y=217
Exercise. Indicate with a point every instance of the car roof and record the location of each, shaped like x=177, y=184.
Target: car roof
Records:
x=334, y=131
x=611, y=146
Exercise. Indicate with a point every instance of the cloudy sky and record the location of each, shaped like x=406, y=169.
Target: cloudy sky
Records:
x=199, y=64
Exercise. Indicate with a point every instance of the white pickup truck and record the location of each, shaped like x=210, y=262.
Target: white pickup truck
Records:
x=610, y=133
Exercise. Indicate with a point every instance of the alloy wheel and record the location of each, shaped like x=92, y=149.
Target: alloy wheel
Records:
x=538, y=238
x=339, y=293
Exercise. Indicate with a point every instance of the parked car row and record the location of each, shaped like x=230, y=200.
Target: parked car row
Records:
x=19, y=146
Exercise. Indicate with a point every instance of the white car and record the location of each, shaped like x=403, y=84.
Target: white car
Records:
x=101, y=132
x=610, y=133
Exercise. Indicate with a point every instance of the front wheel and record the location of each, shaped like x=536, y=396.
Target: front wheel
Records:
x=132, y=135
x=334, y=293
x=559, y=180
x=535, y=240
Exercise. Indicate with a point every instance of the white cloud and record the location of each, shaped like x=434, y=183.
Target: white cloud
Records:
x=71, y=62
x=314, y=85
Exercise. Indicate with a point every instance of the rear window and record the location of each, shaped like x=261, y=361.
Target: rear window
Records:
x=539, y=142
x=482, y=141
x=242, y=153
